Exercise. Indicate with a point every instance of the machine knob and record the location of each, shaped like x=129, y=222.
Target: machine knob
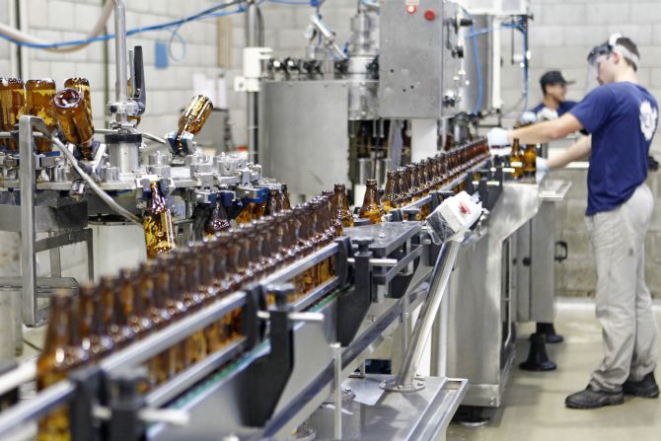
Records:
x=281, y=293
x=363, y=243
x=430, y=15
x=465, y=22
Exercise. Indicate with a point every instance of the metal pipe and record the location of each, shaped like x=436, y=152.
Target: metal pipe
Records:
x=437, y=288
x=252, y=40
x=28, y=231
x=16, y=417
x=121, y=85
x=105, y=197
x=22, y=374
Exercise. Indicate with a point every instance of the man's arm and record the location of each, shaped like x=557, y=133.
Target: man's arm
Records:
x=547, y=131
x=579, y=150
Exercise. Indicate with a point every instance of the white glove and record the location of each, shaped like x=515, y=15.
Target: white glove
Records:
x=547, y=114
x=528, y=117
x=542, y=165
x=498, y=137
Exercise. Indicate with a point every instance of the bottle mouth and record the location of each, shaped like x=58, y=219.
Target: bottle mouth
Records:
x=67, y=99
x=43, y=84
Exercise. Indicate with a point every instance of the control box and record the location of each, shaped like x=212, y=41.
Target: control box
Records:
x=419, y=58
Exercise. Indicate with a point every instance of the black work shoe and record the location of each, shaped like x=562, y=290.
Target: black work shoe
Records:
x=549, y=333
x=645, y=388
x=593, y=398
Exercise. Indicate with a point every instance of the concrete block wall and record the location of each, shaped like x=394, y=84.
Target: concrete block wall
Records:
x=168, y=90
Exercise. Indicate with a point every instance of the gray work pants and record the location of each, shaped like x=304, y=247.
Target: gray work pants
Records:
x=624, y=304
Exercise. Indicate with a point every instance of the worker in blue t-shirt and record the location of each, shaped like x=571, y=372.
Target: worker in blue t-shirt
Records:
x=554, y=103
x=621, y=117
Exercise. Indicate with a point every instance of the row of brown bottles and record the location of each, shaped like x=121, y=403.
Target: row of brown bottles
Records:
x=70, y=109
x=524, y=163
x=275, y=202
x=415, y=181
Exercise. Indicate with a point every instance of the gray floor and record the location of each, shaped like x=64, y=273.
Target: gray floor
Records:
x=534, y=402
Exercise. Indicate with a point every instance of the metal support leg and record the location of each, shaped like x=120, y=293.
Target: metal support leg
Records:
x=438, y=284
x=337, y=353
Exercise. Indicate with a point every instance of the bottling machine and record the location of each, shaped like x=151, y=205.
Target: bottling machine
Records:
x=297, y=367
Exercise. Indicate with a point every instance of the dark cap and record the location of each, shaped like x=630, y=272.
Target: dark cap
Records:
x=553, y=77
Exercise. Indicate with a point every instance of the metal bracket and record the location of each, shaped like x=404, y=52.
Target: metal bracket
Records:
x=253, y=328
x=87, y=383
x=125, y=404
x=352, y=306
x=268, y=375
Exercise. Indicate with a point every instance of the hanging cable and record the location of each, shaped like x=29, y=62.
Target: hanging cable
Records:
x=22, y=39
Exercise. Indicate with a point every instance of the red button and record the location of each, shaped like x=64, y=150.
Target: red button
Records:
x=430, y=15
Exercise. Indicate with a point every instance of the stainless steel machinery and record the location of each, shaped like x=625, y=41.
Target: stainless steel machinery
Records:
x=355, y=111
x=515, y=255
x=300, y=376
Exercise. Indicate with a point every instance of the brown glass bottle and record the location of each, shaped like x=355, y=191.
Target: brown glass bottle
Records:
x=196, y=344
x=274, y=203
x=371, y=208
x=12, y=106
x=516, y=159
x=306, y=246
x=56, y=360
x=284, y=198
x=96, y=340
x=530, y=161
x=415, y=190
x=389, y=199
x=82, y=86
x=217, y=221
x=210, y=269
x=157, y=282
x=120, y=330
x=39, y=102
x=75, y=119
x=343, y=214
x=195, y=115
x=157, y=220
x=241, y=246
x=175, y=305
x=449, y=142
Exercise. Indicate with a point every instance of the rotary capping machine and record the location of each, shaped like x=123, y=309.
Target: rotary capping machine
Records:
x=283, y=374
x=58, y=193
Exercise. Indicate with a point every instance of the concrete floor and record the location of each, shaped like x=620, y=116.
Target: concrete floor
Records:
x=534, y=407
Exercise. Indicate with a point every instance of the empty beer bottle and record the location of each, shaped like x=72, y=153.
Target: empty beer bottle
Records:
x=195, y=115
x=274, y=203
x=133, y=303
x=217, y=221
x=96, y=339
x=196, y=344
x=82, y=86
x=156, y=282
x=371, y=208
x=157, y=220
x=388, y=201
x=12, y=106
x=75, y=119
x=175, y=305
x=284, y=195
x=120, y=330
x=57, y=359
x=343, y=214
x=39, y=102
x=516, y=159
x=530, y=161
